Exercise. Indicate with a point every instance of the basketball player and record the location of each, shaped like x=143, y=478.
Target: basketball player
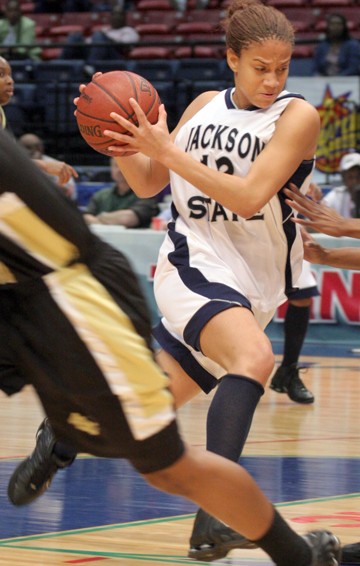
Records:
x=107, y=396
x=231, y=254
x=325, y=219
x=59, y=169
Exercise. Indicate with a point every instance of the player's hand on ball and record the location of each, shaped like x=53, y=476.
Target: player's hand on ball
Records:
x=149, y=139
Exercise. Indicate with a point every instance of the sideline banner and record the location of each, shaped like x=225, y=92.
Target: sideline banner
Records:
x=338, y=303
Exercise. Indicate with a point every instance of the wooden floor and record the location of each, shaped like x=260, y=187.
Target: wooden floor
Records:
x=306, y=458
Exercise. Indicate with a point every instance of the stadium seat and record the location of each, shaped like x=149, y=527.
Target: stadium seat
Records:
x=22, y=71
x=58, y=107
x=287, y=3
x=151, y=52
x=190, y=28
x=107, y=65
x=193, y=70
x=154, y=29
x=154, y=5
x=199, y=52
x=156, y=70
x=59, y=70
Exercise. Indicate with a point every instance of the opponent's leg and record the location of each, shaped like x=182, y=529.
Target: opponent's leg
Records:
x=33, y=476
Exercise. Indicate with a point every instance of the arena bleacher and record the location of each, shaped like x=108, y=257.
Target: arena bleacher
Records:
x=181, y=52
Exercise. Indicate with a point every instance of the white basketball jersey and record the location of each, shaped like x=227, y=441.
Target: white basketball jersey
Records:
x=259, y=257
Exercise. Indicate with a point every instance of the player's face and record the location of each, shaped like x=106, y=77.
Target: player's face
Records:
x=260, y=72
x=6, y=82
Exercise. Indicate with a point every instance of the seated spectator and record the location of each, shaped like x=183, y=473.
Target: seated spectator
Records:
x=338, y=53
x=35, y=148
x=346, y=198
x=119, y=205
x=17, y=30
x=112, y=42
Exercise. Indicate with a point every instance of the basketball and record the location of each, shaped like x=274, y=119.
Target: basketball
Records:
x=110, y=92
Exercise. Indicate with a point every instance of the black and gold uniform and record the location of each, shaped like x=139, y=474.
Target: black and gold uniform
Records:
x=74, y=324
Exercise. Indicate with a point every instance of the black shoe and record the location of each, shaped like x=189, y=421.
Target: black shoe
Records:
x=351, y=554
x=325, y=548
x=34, y=475
x=287, y=380
x=212, y=540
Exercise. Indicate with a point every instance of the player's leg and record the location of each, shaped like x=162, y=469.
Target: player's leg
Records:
x=226, y=490
x=231, y=410
x=351, y=553
x=286, y=379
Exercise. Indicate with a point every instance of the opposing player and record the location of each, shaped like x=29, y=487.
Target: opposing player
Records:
x=231, y=253
x=324, y=219
x=108, y=397
x=58, y=168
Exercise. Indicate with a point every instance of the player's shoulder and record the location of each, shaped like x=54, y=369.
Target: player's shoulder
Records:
x=299, y=107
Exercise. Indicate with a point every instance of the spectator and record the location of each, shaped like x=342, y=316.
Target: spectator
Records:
x=6, y=89
x=16, y=32
x=59, y=169
x=120, y=205
x=112, y=42
x=35, y=148
x=346, y=198
x=338, y=53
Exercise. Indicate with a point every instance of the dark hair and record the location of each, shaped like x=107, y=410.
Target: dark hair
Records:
x=250, y=21
x=346, y=32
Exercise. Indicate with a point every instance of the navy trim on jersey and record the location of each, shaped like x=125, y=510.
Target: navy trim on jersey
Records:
x=303, y=293
x=290, y=95
x=183, y=356
x=206, y=313
x=194, y=279
x=289, y=227
x=230, y=104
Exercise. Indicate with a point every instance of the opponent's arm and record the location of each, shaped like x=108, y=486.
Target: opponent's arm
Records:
x=320, y=217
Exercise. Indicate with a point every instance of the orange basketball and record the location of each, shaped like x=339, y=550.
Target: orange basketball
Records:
x=110, y=92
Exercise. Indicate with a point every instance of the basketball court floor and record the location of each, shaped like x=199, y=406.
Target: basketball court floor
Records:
x=306, y=458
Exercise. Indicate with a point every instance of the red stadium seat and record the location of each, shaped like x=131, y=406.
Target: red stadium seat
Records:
x=151, y=52
x=154, y=5
x=288, y=3
x=65, y=30
x=154, y=29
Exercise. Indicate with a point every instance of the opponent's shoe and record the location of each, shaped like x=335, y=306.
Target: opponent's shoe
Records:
x=33, y=476
x=351, y=554
x=211, y=540
x=325, y=548
x=287, y=380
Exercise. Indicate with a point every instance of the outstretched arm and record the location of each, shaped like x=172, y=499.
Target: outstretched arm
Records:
x=58, y=168
x=321, y=218
x=324, y=219
x=345, y=258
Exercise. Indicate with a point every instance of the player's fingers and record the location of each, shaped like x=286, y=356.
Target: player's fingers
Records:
x=126, y=124
x=141, y=116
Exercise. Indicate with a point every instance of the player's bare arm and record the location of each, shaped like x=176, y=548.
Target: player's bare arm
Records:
x=320, y=217
x=291, y=144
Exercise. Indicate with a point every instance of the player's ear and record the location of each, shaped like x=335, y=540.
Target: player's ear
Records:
x=232, y=59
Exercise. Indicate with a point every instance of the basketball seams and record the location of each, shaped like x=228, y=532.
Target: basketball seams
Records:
x=129, y=116
x=102, y=97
